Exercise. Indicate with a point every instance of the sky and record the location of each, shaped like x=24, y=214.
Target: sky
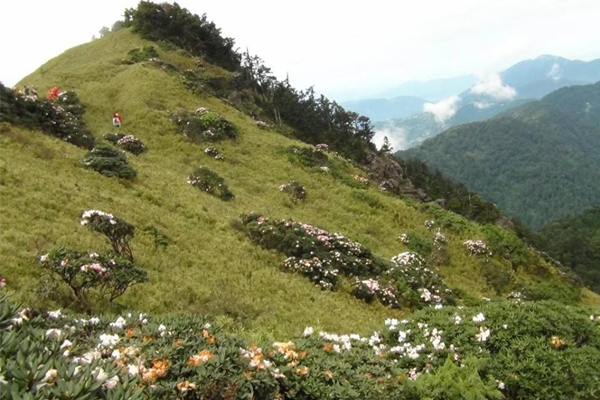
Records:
x=347, y=49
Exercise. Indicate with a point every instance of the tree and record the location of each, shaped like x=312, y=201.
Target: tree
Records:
x=386, y=148
x=104, y=31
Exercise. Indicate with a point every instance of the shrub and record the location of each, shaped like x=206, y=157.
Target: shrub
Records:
x=144, y=54
x=61, y=119
x=211, y=183
x=128, y=143
x=477, y=247
x=295, y=190
x=308, y=157
x=214, y=153
x=119, y=232
x=205, y=127
x=371, y=289
x=108, y=275
x=319, y=272
x=109, y=162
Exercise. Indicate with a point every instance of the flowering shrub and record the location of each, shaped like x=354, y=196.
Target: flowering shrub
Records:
x=211, y=183
x=109, y=162
x=126, y=142
x=108, y=275
x=262, y=125
x=477, y=247
x=118, y=231
x=214, y=153
x=362, y=180
x=433, y=354
x=319, y=272
x=207, y=126
x=421, y=279
x=308, y=157
x=62, y=118
x=305, y=241
x=322, y=147
x=295, y=190
x=371, y=289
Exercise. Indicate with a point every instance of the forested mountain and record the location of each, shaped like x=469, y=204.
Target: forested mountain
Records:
x=538, y=162
x=523, y=82
x=575, y=241
x=179, y=224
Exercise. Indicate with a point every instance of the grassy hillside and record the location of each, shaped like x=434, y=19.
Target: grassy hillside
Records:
x=210, y=267
x=551, y=145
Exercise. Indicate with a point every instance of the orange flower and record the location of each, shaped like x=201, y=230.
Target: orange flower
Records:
x=328, y=374
x=159, y=369
x=178, y=342
x=302, y=371
x=130, y=333
x=328, y=347
x=210, y=338
x=557, y=342
x=185, y=386
x=200, y=358
x=302, y=354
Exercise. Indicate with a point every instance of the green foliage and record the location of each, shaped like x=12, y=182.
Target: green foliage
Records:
x=456, y=197
x=575, y=242
x=538, y=162
x=206, y=126
x=139, y=55
x=296, y=191
x=126, y=142
x=118, y=231
x=62, y=118
x=109, y=162
x=108, y=275
x=308, y=157
x=160, y=238
x=507, y=245
x=210, y=182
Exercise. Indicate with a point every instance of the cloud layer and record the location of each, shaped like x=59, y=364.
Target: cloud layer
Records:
x=492, y=86
x=443, y=110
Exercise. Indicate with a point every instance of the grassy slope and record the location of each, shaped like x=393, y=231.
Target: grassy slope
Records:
x=211, y=268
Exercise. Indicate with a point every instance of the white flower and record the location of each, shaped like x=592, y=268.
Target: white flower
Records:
x=111, y=382
x=162, y=328
x=94, y=321
x=438, y=306
x=54, y=314
x=50, y=376
x=133, y=370
x=44, y=257
x=54, y=333
x=457, y=319
x=591, y=317
x=109, y=341
x=479, y=318
x=66, y=343
x=99, y=374
x=2, y=380
x=116, y=354
x=501, y=385
x=483, y=334
x=308, y=331
x=119, y=323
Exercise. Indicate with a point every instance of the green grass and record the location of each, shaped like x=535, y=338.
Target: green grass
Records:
x=210, y=268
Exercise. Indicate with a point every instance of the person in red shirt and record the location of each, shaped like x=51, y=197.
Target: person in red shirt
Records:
x=117, y=120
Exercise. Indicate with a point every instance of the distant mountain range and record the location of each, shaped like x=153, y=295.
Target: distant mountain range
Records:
x=524, y=81
x=385, y=109
x=538, y=162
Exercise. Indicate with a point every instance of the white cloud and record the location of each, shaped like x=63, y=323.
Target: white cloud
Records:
x=482, y=105
x=492, y=85
x=555, y=72
x=396, y=136
x=443, y=110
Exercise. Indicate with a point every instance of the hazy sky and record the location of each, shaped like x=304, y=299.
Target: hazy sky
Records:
x=347, y=49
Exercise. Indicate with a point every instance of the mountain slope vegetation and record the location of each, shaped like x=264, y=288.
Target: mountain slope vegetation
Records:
x=245, y=235
x=551, y=145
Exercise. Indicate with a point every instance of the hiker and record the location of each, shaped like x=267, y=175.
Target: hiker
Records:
x=53, y=93
x=117, y=120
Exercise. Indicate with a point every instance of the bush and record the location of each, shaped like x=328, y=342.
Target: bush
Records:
x=371, y=289
x=205, y=127
x=211, y=183
x=308, y=157
x=295, y=190
x=139, y=55
x=214, y=153
x=128, y=143
x=61, y=119
x=109, y=162
x=119, y=232
x=108, y=275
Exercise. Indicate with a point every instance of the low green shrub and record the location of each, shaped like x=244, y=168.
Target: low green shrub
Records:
x=126, y=142
x=296, y=191
x=109, y=162
x=204, y=126
x=138, y=55
x=211, y=183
